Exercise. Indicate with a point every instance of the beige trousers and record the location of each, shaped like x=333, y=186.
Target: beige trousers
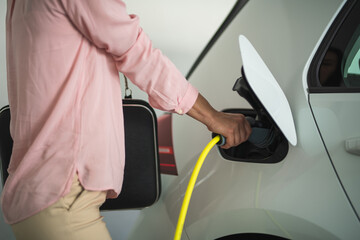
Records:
x=74, y=217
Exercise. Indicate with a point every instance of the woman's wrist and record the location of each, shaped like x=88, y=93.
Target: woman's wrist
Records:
x=203, y=112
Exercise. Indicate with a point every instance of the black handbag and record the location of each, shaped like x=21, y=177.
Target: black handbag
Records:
x=6, y=142
x=142, y=184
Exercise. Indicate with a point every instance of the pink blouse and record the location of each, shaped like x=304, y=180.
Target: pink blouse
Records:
x=63, y=63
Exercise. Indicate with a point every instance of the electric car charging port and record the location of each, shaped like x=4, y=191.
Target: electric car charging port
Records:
x=274, y=152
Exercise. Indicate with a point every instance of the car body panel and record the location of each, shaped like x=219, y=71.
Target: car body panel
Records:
x=338, y=119
x=300, y=197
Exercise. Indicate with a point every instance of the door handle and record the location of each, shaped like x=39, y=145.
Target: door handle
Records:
x=352, y=146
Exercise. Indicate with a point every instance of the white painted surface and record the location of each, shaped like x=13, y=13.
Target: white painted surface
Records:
x=266, y=88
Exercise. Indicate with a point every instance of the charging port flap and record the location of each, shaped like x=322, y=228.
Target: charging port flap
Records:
x=267, y=90
x=271, y=118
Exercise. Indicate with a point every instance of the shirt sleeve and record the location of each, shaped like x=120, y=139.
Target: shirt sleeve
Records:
x=109, y=27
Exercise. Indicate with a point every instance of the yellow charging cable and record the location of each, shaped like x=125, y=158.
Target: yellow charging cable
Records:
x=190, y=187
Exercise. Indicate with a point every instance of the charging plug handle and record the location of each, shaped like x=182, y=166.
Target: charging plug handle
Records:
x=260, y=136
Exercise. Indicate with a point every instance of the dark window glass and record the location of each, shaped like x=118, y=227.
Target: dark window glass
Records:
x=340, y=65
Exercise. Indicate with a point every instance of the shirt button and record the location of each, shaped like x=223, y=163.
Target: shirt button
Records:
x=179, y=111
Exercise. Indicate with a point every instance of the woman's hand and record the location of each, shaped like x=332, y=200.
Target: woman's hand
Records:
x=234, y=127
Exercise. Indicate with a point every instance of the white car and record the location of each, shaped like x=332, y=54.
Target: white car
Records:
x=303, y=81
x=294, y=67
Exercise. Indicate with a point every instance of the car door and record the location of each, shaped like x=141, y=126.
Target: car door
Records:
x=334, y=97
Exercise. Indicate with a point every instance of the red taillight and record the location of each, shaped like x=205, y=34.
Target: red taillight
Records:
x=166, y=150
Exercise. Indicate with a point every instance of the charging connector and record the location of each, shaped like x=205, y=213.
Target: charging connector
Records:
x=261, y=136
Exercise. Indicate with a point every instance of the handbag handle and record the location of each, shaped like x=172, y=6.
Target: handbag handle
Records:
x=128, y=92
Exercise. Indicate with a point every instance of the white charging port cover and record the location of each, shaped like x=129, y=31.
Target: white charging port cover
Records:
x=266, y=88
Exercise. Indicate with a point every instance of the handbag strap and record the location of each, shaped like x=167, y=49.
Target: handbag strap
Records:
x=128, y=92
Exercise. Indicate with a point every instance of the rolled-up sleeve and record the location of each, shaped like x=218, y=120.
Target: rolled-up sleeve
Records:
x=108, y=26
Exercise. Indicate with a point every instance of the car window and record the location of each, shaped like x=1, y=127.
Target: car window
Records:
x=352, y=62
x=337, y=62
